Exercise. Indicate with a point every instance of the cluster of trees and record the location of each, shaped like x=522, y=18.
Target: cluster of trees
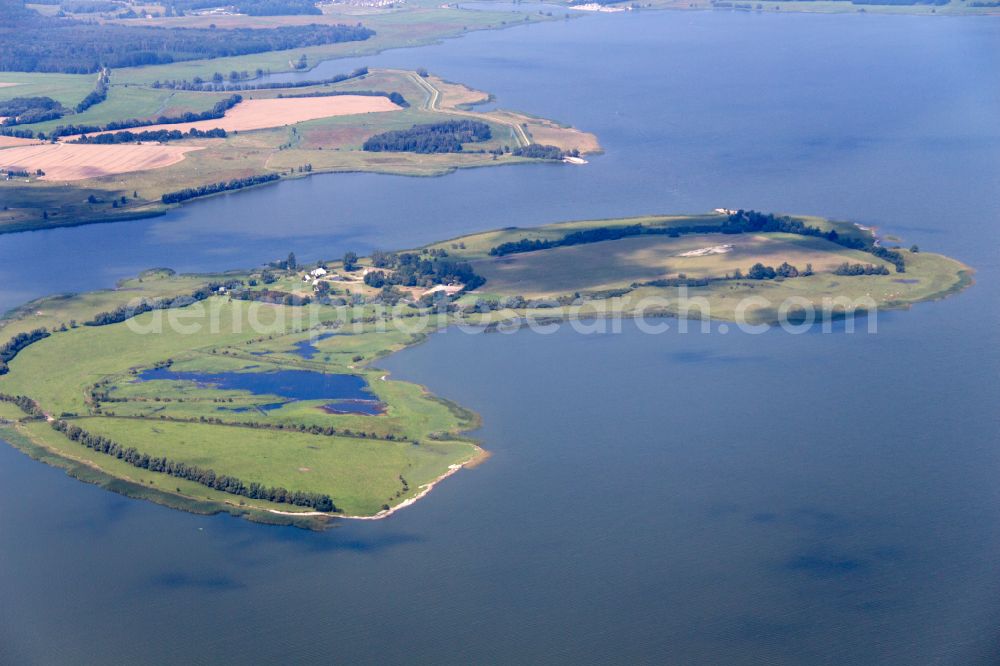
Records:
x=539, y=151
x=326, y=431
x=157, y=135
x=411, y=269
x=30, y=42
x=446, y=137
x=10, y=349
x=761, y=272
x=222, y=82
x=98, y=94
x=847, y=268
x=215, y=188
x=680, y=281
x=26, y=110
x=270, y=296
x=206, y=477
x=24, y=403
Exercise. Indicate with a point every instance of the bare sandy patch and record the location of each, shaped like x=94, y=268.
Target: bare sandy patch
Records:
x=566, y=138
x=254, y=114
x=69, y=161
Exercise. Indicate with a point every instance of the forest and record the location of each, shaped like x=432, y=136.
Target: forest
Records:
x=30, y=42
x=25, y=110
x=446, y=137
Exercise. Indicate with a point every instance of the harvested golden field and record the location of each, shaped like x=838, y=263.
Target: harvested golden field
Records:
x=253, y=114
x=70, y=161
x=8, y=141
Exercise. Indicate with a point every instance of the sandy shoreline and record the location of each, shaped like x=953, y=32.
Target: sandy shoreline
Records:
x=385, y=513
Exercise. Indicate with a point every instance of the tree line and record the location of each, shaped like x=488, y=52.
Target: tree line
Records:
x=10, y=349
x=127, y=311
x=325, y=431
x=220, y=82
x=206, y=477
x=215, y=188
x=217, y=111
x=446, y=137
x=161, y=136
x=98, y=94
x=25, y=404
x=394, y=96
x=270, y=296
x=736, y=223
x=30, y=42
x=847, y=268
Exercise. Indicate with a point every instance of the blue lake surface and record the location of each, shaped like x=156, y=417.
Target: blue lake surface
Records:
x=349, y=394
x=292, y=384
x=718, y=498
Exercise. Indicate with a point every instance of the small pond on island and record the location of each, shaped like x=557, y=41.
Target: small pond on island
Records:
x=348, y=394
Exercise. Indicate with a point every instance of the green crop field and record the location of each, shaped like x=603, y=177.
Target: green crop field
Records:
x=67, y=89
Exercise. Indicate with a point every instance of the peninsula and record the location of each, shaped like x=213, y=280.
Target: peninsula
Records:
x=258, y=393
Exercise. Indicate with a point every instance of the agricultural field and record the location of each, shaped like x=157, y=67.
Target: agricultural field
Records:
x=254, y=114
x=67, y=89
x=268, y=378
x=284, y=132
x=65, y=162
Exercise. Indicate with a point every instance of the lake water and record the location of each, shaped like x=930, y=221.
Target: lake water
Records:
x=348, y=394
x=699, y=498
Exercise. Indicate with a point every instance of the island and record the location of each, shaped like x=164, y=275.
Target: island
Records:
x=258, y=392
